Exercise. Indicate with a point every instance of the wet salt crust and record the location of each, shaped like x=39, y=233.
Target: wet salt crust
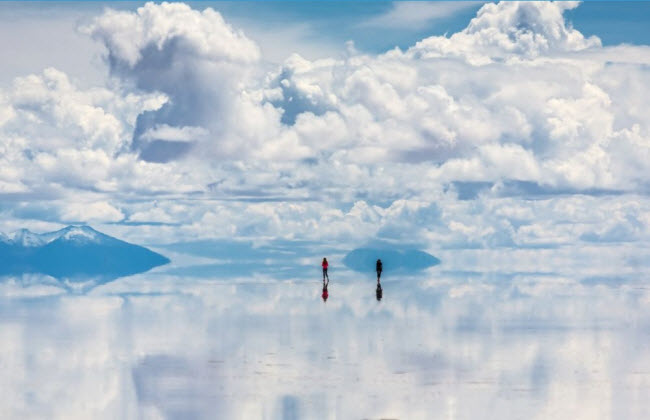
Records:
x=570, y=341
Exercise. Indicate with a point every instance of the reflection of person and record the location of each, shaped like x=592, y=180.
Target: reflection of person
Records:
x=325, y=265
x=379, y=292
x=325, y=292
x=379, y=268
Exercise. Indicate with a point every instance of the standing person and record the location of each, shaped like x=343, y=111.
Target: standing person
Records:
x=379, y=268
x=325, y=265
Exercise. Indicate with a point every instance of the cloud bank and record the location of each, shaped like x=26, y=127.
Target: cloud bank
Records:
x=516, y=131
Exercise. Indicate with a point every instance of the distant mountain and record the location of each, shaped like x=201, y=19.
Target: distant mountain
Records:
x=75, y=252
x=405, y=260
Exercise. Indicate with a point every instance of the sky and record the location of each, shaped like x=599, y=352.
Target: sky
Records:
x=454, y=125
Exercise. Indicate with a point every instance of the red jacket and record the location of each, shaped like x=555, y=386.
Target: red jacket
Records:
x=325, y=264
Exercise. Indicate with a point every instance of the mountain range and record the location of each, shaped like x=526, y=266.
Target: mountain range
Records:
x=75, y=252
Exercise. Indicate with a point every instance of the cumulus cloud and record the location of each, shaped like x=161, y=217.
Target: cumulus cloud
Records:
x=519, y=104
x=517, y=95
x=90, y=212
x=509, y=30
x=459, y=108
x=59, y=134
x=200, y=62
x=205, y=34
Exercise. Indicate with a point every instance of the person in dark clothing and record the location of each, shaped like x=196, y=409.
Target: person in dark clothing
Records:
x=325, y=264
x=379, y=268
x=379, y=292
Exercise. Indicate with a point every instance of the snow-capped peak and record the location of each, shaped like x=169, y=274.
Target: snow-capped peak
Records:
x=26, y=238
x=84, y=233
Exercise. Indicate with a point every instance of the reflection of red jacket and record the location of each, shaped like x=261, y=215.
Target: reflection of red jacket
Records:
x=325, y=264
x=325, y=294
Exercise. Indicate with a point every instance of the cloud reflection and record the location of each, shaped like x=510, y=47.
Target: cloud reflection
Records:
x=443, y=345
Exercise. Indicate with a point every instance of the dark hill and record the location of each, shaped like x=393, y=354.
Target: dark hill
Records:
x=407, y=260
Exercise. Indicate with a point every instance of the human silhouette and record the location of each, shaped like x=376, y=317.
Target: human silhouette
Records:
x=379, y=292
x=379, y=267
x=325, y=294
x=325, y=264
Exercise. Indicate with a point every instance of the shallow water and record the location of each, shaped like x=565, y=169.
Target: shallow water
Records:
x=442, y=344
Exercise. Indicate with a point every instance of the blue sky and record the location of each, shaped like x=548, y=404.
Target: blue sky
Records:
x=614, y=22
x=491, y=125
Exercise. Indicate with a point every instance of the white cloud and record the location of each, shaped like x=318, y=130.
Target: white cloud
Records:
x=166, y=132
x=205, y=67
x=204, y=34
x=525, y=106
x=507, y=30
x=51, y=99
x=550, y=101
x=91, y=212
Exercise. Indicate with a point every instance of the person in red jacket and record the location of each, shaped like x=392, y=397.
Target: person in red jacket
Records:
x=325, y=265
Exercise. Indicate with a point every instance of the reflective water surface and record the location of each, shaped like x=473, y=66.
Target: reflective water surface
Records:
x=570, y=341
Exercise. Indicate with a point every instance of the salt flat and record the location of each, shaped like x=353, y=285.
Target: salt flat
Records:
x=563, y=343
